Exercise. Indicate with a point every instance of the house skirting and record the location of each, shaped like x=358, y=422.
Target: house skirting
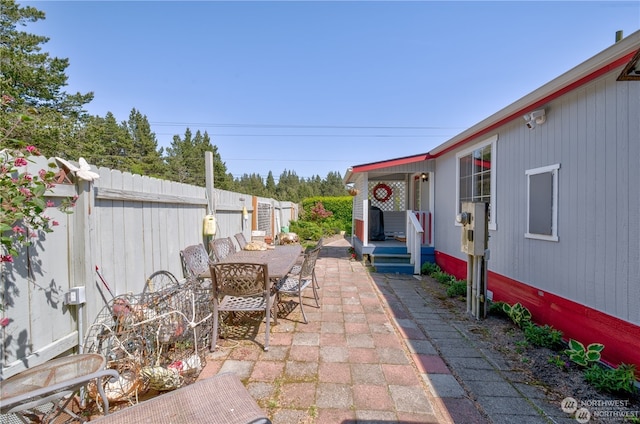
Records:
x=576, y=321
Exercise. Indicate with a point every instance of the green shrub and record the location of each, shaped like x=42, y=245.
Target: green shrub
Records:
x=442, y=277
x=581, y=355
x=340, y=207
x=543, y=336
x=497, y=308
x=518, y=314
x=429, y=268
x=306, y=230
x=612, y=380
x=457, y=288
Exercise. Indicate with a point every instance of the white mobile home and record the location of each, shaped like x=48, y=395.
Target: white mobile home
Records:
x=563, y=186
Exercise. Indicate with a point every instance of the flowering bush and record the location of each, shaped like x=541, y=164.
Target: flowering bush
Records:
x=22, y=194
x=318, y=212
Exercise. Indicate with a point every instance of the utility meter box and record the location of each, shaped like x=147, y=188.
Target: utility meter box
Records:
x=474, y=227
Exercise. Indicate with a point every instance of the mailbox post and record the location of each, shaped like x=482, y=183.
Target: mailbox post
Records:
x=474, y=242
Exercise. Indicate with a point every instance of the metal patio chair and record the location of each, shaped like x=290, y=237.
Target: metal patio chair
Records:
x=195, y=260
x=242, y=241
x=294, y=285
x=221, y=248
x=241, y=287
x=298, y=266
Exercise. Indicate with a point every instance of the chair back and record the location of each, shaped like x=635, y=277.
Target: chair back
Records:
x=309, y=263
x=221, y=248
x=240, y=279
x=242, y=241
x=195, y=260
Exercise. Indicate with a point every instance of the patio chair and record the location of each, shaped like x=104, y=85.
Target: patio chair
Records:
x=241, y=287
x=195, y=260
x=221, y=248
x=298, y=266
x=294, y=285
x=242, y=241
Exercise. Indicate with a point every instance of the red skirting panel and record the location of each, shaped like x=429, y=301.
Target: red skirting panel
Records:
x=576, y=321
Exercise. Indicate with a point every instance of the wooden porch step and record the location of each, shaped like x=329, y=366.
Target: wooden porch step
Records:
x=396, y=258
x=394, y=268
x=392, y=263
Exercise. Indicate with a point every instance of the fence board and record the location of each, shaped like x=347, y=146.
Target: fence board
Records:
x=129, y=226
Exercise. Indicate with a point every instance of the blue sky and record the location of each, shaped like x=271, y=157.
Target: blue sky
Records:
x=316, y=87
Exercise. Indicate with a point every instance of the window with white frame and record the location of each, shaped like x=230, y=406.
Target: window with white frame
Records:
x=542, y=208
x=476, y=179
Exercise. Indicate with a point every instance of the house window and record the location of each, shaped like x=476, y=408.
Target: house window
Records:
x=542, y=210
x=476, y=176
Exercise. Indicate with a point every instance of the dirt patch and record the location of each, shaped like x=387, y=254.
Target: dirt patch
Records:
x=549, y=370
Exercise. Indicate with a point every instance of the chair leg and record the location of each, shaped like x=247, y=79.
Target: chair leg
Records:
x=315, y=295
x=304, y=316
x=214, y=332
x=268, y=328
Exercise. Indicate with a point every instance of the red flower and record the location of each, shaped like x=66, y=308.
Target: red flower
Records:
x=20, y=162
x=4, y=322
x=6, y=258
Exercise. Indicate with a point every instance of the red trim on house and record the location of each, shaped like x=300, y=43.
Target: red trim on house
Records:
x=360, y=229
x=570, y=87
x=392, y=162
x=518, y=114
x=576, y=321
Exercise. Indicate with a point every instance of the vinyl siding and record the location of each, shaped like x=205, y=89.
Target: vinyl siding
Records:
x=594, y=134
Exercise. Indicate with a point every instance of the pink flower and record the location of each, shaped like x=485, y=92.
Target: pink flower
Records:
x=18, y=230
x=6, y=258
x=50, y=203
x=55, y=223
x=28, y=177
x=31, y=149
x=20, y=162
x=4, y=322
x=42, y=173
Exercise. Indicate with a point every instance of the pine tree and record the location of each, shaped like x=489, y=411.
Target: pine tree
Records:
x=34, y=81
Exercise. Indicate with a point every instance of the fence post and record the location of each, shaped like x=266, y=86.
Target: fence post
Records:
x=82, y=248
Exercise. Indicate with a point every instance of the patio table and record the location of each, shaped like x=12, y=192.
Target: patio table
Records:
x=280, y=259
x=52, y=382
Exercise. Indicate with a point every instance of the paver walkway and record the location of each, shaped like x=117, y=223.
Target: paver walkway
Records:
x=377, y=350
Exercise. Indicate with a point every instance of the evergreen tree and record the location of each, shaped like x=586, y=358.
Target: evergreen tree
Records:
x=185, y=159
x=270, y=185
x=333, y=185
x=35, y=82
x=147, y=159
x=288, y=187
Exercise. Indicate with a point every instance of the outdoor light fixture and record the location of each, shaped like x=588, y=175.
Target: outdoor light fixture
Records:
x=537, y=117
x=424, y=177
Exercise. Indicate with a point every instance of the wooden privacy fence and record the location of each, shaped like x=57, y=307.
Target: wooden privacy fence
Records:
x=126, y=227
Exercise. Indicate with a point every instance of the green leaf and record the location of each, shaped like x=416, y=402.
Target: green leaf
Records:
x=596, y=347
x=593, y=356
x=575, y=345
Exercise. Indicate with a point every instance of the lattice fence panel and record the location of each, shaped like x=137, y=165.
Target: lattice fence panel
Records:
x=264, y=218
x=388, y=195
